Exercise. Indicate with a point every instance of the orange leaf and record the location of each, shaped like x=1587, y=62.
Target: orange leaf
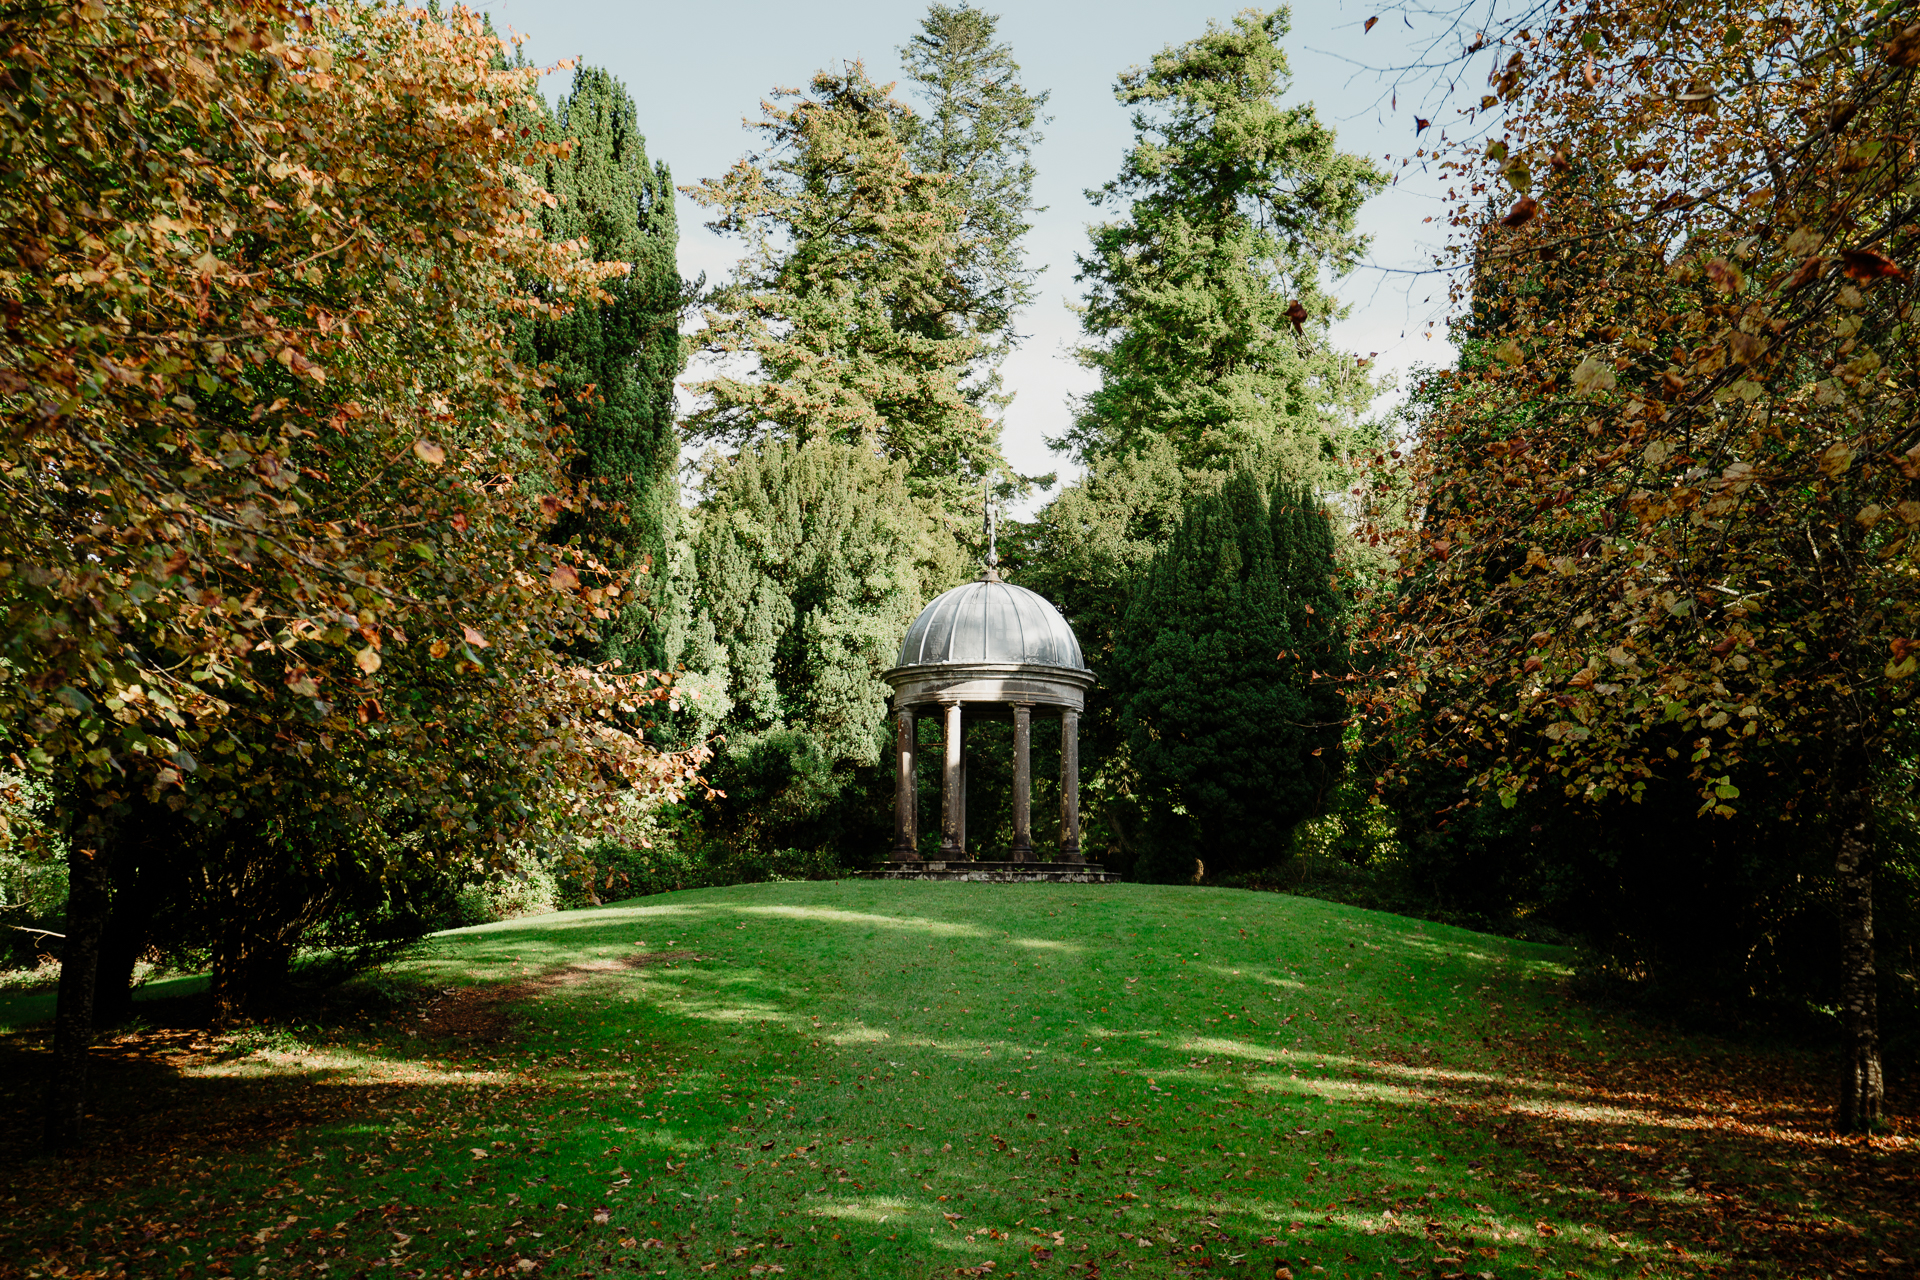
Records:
x=474, y=638
x=429, y=452
x=1522, y=212
x=564, y=578
x=1368, y=26
x=1865, y=265
x=1809, y=272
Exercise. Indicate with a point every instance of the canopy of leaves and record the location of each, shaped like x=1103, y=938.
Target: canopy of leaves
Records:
x=271, y=478
x=1670, y=511
x=1683, y=523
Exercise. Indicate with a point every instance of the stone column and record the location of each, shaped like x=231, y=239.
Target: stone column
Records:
x=963, y=797
x=906, y=790
x=953, y=793
x=1070, y=787
x=1022, y=782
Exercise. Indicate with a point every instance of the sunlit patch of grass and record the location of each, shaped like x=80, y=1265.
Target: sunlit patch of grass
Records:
x=887, y=1079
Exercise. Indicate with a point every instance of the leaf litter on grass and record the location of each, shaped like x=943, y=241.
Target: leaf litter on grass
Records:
x=1330, y=1091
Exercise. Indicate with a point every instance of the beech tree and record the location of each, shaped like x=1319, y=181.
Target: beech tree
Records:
x=1206, y=303
x=273, y=482
x=846, y=244
x=1688, y=544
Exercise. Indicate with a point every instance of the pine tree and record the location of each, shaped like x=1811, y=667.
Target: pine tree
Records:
x=1206, y=306
x=978, y=129
x=846, y=244
x=1225, y=679
x=612, y=365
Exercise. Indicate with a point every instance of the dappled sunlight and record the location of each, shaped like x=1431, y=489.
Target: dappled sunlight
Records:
x=324, y=1068
x=835, y=915
x=588, y=918
x=858, y=1035
x=876, y=1211
x=1048, y=944
x=1270, y=980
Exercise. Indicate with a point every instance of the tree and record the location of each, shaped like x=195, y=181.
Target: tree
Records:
x=1226, y=677
x=979, y=130
x=1687, y=550
x=846, y=243
x=1206, y=306
x=813, y=558
x=611, y=365
x=273, y=482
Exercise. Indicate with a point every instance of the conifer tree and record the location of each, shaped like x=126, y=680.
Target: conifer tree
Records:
x=846, y=244
x=810, y=570
x=612, y=365
x=1206, y=306
x=978, y=128
x=1225, y=677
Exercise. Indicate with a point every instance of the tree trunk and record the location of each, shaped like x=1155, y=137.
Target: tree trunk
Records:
x=87, y=905
x=1862, y=1090
x=128, y=927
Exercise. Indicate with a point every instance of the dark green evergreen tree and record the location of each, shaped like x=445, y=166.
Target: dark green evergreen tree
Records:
x=613, y=364
x=978, y=126
x=1206, y=301
x=813, y=558
x=1226, y=676
x=817, y=333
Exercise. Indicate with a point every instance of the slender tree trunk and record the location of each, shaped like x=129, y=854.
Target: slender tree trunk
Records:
x=88, y=903
x=1862, y=1090
x=129, y=923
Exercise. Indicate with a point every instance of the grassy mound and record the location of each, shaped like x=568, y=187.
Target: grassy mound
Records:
x=904, y=1080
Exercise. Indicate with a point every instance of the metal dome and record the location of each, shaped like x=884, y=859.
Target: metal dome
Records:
x=991, y=621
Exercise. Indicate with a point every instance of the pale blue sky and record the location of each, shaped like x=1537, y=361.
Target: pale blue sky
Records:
x=695, y=70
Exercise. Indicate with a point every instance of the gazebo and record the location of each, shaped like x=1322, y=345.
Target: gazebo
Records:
x=988, y=649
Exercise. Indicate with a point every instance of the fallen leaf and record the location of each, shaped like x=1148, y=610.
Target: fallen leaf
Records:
x=429, y=452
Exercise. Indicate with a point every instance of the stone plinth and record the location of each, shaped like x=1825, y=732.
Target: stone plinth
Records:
x=996, y=872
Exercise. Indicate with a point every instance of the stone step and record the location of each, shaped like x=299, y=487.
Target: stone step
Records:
x=996, y=872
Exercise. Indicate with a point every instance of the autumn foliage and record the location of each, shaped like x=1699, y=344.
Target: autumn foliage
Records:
x=273, y=483
x=1670, y=499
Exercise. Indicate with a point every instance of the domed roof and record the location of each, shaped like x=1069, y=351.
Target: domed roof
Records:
x=991, y=621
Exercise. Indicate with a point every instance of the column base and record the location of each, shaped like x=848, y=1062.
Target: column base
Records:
x=995, y=872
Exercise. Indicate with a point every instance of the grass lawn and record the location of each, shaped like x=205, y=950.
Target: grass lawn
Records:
x=911, y=1080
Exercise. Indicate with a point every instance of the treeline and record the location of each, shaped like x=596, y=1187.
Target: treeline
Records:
x=1648, y=668
x=351, y=590
x=311, y=535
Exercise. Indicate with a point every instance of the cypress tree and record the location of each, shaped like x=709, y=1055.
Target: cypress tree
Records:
x=811, y=563
x=1231, y=726
x=612, y=365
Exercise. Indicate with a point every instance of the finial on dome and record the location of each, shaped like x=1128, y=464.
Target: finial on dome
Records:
x=992, y=571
